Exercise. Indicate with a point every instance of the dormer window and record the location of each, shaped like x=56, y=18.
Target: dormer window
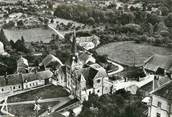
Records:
x=159, y=104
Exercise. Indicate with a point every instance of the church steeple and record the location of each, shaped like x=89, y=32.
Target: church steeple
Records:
x=74, y=46
x=74, y=50
x=75, y=63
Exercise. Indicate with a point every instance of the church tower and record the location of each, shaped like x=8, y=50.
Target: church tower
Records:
x=76, y=64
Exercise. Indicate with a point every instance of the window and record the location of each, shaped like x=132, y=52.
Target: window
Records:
x=159, y=104
x=19, y=87
x=158, y=115
x=98, y=91
x=14, y=87
x=2, y=89
x=98, y=81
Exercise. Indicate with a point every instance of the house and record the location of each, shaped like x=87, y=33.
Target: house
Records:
x=50, y=60
x=18, y=82
x=159, y=65
x=160, y=104
x=88, y=42
x=86, y=57
x=22, y=65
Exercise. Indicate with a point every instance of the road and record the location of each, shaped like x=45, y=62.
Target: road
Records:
x=62, y=102
x=120, y=68
x=39, y=101
x=139, y=84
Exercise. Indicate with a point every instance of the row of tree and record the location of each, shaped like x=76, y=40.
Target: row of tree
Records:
x=120, y=104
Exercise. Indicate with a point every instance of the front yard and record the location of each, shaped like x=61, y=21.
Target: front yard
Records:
x=27, y=110
x=45, y=92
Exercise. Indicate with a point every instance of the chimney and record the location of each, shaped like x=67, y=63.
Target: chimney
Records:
x=156, y=83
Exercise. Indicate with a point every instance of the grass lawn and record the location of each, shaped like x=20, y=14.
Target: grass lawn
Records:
x=45, y=92
x=130, y=53
x=27, y=110
x=35, y=34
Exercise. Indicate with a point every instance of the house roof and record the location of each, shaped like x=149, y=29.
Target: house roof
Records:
x=55, y=114
x=14, y=79
x=90, y=73
x=49, y=59
x=164, y=91
x=159, y=61
x=84, y=56
x=23, y=61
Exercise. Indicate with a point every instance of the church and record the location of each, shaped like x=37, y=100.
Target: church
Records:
x=82, y=77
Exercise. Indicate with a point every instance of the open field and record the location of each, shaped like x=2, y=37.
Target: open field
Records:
x=35, y=34
x=45, y=92
x=130, y=53
x=28, y=109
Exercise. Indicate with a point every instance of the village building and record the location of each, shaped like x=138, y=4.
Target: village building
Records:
x=159, y=65
x=82, y=76
x=22, y=65
x=88, y=42
x=159, y=103
x=19, y=82
x=51, y=61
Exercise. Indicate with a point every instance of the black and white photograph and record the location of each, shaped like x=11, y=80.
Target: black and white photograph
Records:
x=85, y=58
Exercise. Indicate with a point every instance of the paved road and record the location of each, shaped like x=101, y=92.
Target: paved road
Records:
x=62, y=102
x=120, y=68
x=124, y=85
x=40, y=101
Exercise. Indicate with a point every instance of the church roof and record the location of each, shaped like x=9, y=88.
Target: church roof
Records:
x=49, y=59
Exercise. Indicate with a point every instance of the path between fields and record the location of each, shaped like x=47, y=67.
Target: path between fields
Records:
x=120, y=68
x=45, y=114
x=39, y=101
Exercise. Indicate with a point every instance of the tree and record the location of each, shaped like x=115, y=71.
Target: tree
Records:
x=10, y=24
x=20, y=45
x=153, y=18
x=91, y=21
x=20, y=23
x=164, y=10
x=168, y=20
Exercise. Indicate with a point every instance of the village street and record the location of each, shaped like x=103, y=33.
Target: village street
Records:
x=60, y=99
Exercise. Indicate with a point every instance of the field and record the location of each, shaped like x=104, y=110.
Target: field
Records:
x=45, y=92
x=130, y=53
x=35, y=34
x=26, y=110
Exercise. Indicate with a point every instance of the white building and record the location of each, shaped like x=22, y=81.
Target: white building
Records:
x=2, y=51
x=17, y=82
x=160, y=104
